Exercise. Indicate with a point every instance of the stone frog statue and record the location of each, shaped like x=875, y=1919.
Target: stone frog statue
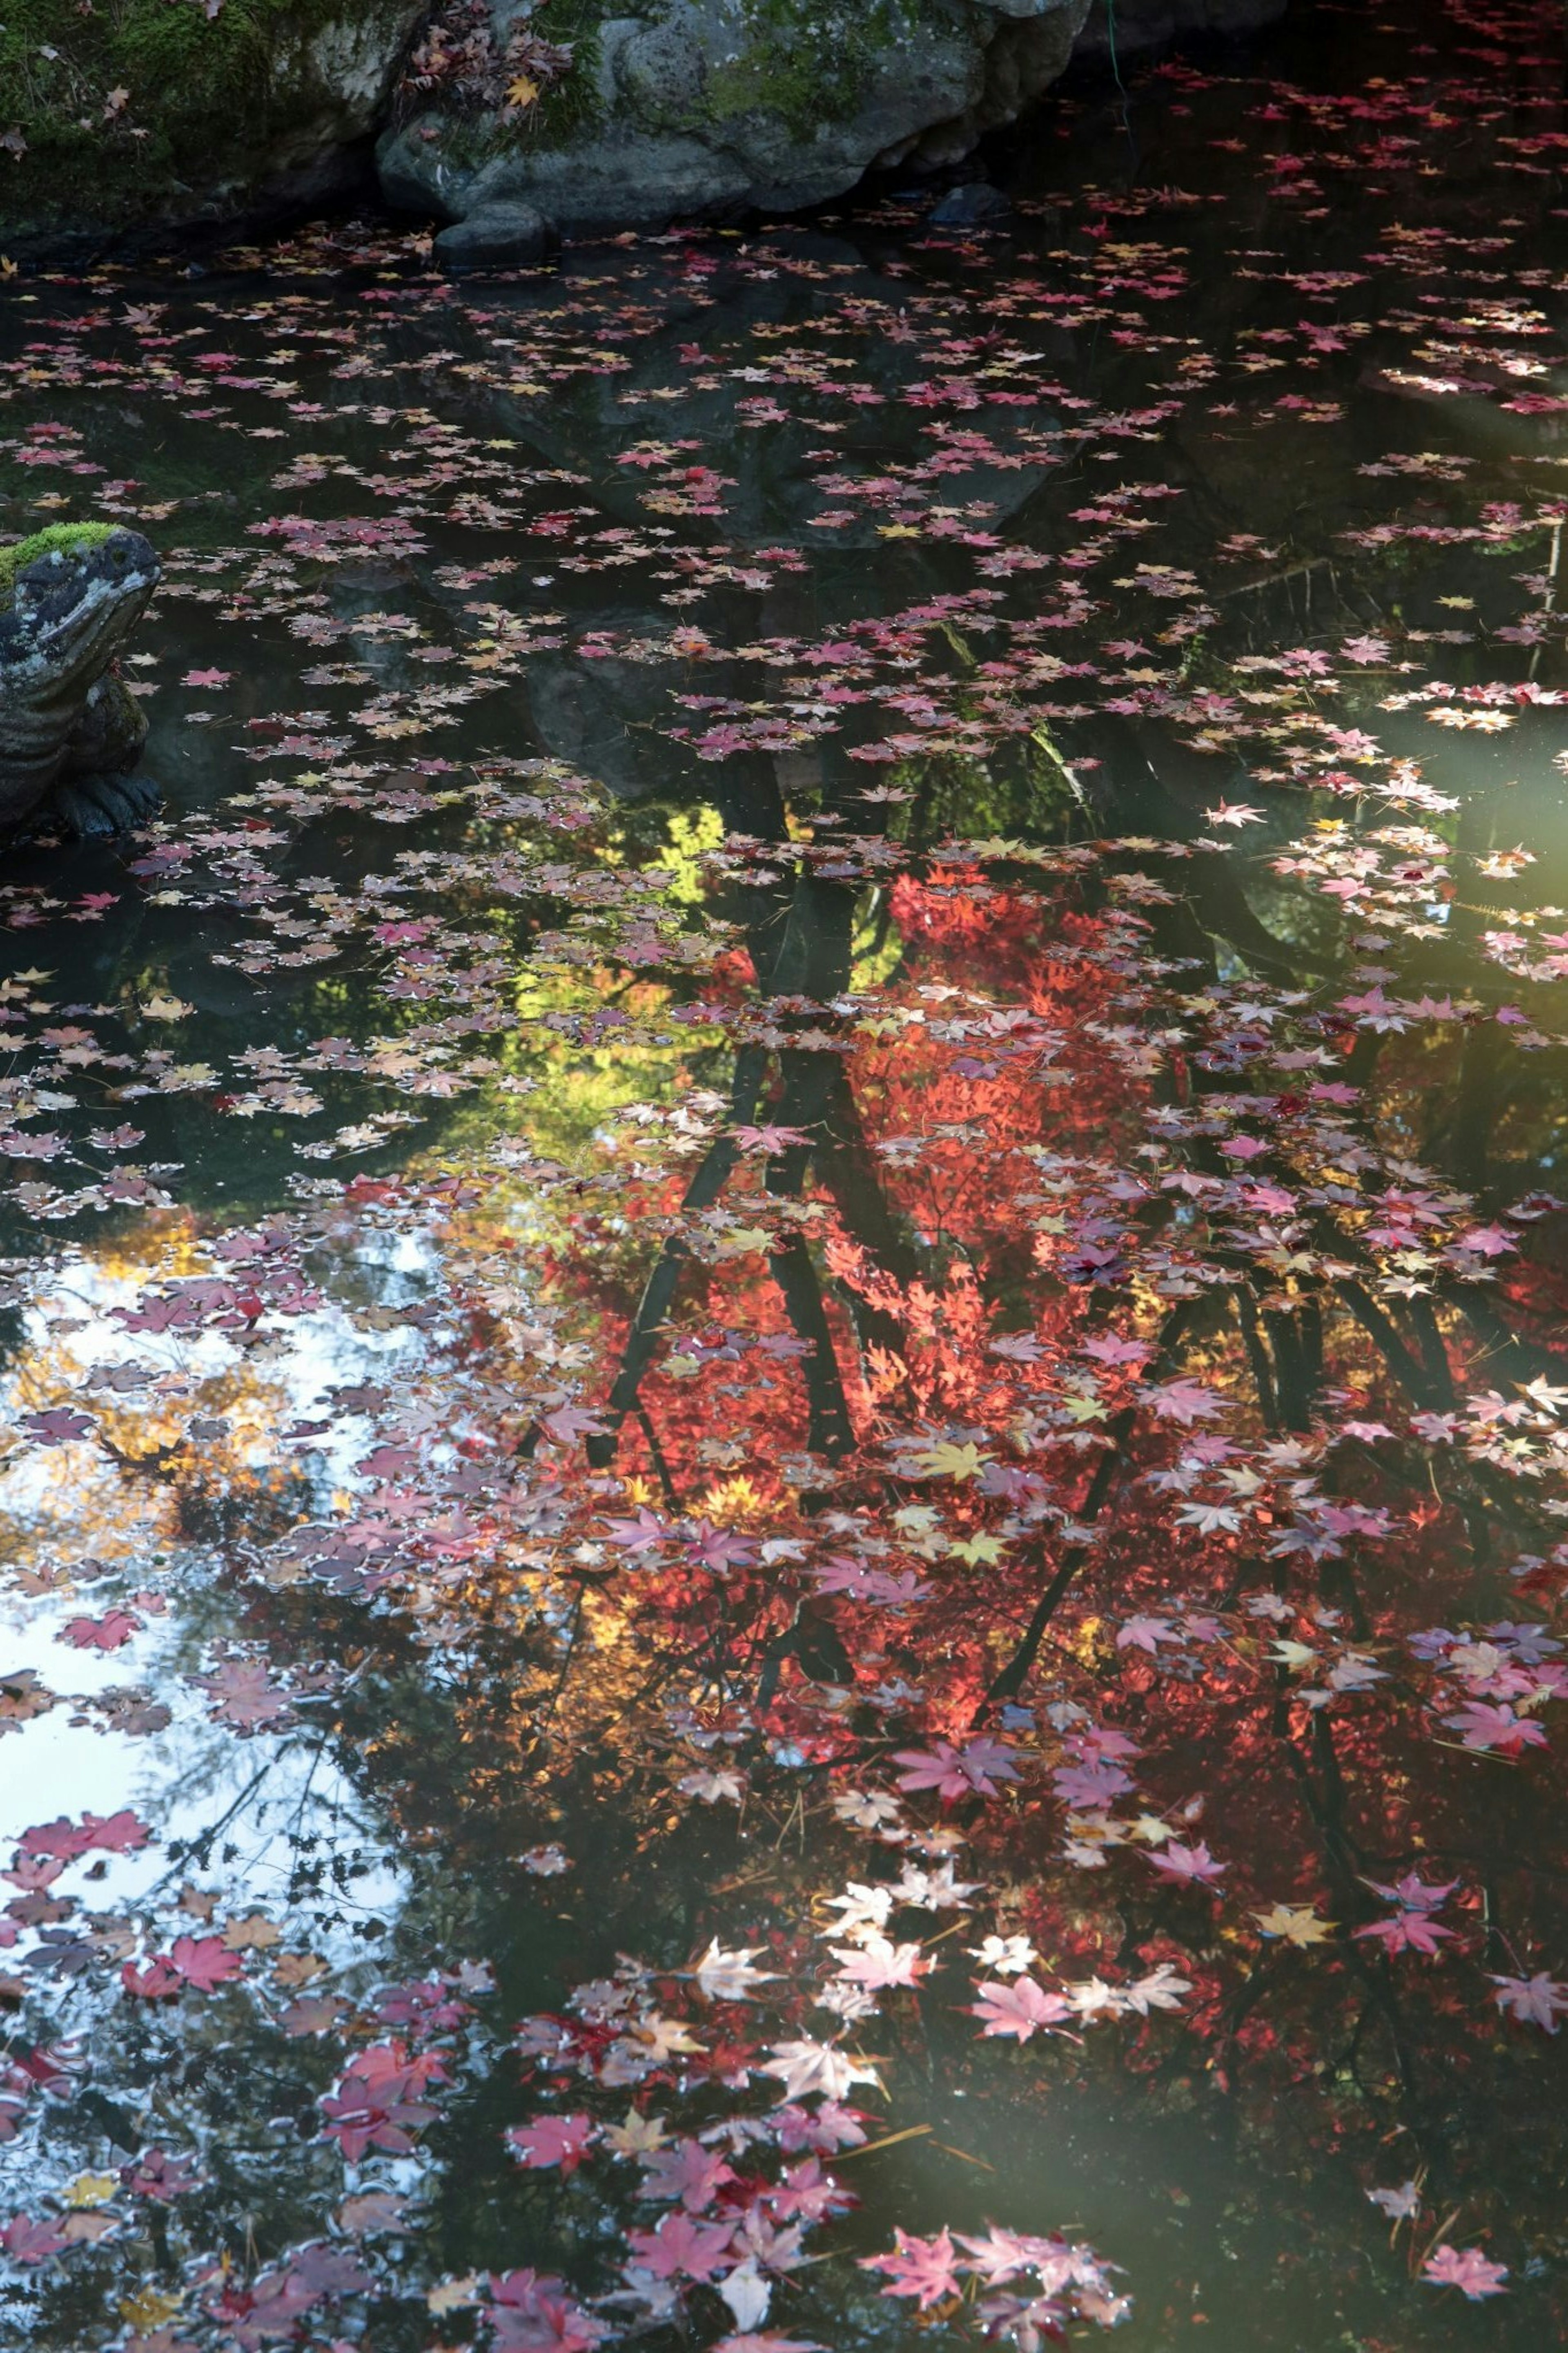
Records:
x=70, y=731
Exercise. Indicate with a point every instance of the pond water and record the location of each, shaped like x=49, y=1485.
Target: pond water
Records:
x=784, y=1323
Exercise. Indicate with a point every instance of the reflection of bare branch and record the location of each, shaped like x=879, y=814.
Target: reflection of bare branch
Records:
x=1012, y=1678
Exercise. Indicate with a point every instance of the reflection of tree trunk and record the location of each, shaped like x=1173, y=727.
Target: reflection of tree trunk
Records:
x=1412, y=1375
x=829, y=1430
x=801, y=948
x=1298, y=1342
x=1258, y=1358
x=659, y=1291
x=1465, y=1133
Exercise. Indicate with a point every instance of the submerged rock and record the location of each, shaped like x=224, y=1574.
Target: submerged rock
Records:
x=977, y=204
x=502, y=233
x=1128, y=28
x=70, y=731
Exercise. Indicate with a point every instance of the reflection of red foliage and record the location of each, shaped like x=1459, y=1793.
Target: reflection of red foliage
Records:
x=1532, y=1289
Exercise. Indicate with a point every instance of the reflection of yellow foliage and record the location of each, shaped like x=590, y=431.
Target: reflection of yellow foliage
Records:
x=874, y=967
x=693, y=833
x=135, y=1481
x=148, y=2308
x=730, y=1501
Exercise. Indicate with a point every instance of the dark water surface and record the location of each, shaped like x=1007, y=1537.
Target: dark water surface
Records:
x=844, y=1044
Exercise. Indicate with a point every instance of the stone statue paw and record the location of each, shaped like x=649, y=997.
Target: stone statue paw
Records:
x=92, y=808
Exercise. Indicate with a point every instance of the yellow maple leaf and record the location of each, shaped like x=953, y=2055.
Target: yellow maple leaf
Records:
x=148, y=2308
x=946, y=1461
x=636, y=2136
x=90, y=2189
x=452, y=2294
x=977, y=1551
x=1295, y=1924
x=521, y=92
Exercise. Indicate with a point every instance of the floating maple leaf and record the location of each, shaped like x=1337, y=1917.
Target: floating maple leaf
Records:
x=106, y=1633
x=973, y=1770
x=808, y=2067
x=1538, y=2000
x=1468, y=2269
x=682, y=2249
x=1019, y=2008
x=877, y=1963
x=1189, y=1865
x=730, y=1975
x=563, y=2141
x=923, y=2268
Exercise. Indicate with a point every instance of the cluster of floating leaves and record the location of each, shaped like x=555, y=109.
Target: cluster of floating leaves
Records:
x=865, y=1379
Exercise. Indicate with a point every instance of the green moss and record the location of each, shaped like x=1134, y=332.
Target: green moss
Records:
x=70, y=535
x=807, y=61
x=203, y=98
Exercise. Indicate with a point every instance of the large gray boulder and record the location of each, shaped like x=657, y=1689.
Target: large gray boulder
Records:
x=709, y=108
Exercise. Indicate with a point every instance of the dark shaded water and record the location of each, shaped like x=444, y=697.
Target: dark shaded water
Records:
x=745, y=819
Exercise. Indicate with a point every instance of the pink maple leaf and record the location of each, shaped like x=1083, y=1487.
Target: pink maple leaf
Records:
x=1187, y=1865
x=688, y=2172
x=571, y=1422
x=121, y=1833
x=682, y=2248
x=1485, y=1727
x=1021, y=2008
x=1412, y=1932
x=1533, y=2001
x=1090, y=1784
x=1181, y=1401
x=976, y=1768
x=1146, y=1634
x=1414, y=1894
x=923, y=2268
x=769, y=1138
x=204, y=1962
x=770, y=2341
x=719, y=1550
x=533, y=2314
x=26, y=2241
x=553, y=2140
x=640, y=1534
x=106, y=1633
x=1466, y=2269
x=158, y=1981
x=243, y=1695
x=879, y=1963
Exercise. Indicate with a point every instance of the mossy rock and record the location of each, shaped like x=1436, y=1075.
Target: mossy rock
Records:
x=153, y=113
x=15, y=558
x=682, y=109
